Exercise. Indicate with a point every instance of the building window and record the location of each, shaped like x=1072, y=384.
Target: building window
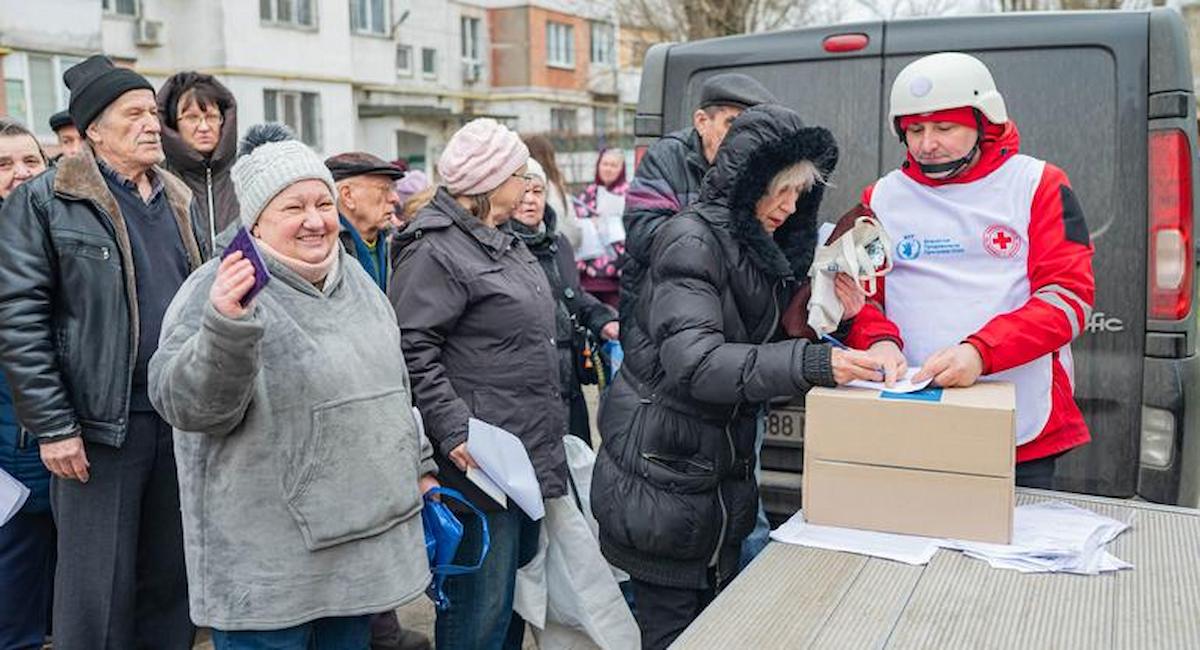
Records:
x=369, y=17
x=564, y=120
x=34, y=89
x=470, y=39
x=404, y=60
x=429, y=62
x=299, y=110
x=290, y=13
x=121, y=7
x=601, y=121
x=560, y=45
x=604, y=49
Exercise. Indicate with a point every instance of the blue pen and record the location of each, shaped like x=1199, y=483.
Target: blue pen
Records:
x=834, y=342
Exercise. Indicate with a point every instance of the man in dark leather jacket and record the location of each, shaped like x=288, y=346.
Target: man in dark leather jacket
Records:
x=94, y=251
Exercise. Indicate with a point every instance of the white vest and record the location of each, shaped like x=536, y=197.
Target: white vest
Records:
x=961, y=258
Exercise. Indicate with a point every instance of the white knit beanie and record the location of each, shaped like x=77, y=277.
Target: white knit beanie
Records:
x=269, y=160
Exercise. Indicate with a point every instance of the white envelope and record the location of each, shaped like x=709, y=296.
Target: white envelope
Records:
x=503, y=458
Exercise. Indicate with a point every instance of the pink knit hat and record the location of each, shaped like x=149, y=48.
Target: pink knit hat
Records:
x=480, y=157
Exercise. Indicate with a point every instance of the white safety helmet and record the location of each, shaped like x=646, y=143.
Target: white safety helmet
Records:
x=942, y=81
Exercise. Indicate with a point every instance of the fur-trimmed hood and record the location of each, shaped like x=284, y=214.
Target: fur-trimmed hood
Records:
x=763, y=141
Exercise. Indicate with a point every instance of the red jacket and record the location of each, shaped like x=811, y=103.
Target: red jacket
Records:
x=1060, y=277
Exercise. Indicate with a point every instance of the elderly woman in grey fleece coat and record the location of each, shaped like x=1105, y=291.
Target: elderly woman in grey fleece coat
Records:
x=301, y=466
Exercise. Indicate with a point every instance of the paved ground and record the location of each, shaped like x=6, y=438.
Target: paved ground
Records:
x=419, y=615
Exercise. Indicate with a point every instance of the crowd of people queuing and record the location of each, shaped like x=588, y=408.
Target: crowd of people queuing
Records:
x=206, y=450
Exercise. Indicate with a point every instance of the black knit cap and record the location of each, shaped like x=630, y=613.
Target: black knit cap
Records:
x=95, y=83
x=734, y=89
x=60, y=119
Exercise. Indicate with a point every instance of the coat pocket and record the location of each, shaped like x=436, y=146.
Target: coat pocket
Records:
x=357, y=473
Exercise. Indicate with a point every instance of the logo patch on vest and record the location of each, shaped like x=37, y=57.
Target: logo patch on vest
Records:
x=1002, y=241
x=908, y=248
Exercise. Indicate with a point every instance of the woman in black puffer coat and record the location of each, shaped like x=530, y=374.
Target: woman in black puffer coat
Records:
x=674, y=488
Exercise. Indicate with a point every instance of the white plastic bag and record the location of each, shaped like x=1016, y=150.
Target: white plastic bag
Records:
x=568, y=593
x=863, y=253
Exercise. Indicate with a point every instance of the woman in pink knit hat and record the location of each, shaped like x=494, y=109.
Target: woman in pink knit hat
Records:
x=477, y=326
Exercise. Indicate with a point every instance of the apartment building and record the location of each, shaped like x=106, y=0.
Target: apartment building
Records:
x=393, y=77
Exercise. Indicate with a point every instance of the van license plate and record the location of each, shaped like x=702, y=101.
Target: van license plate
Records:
x=785, y=426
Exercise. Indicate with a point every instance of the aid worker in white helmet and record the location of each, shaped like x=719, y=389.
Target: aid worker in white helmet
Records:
x=992, y=275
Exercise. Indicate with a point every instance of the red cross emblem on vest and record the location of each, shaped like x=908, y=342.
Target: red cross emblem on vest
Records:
x=1002, y=241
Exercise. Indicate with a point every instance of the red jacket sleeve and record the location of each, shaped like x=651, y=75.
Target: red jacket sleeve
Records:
x=1060, y=281
x=871, y=326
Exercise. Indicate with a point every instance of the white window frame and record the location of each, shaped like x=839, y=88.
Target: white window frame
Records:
x=408, y=71
x=382, y=30
x=561, y=111
x=472, y=47
x=425, y=73
x=110, y=9
x=293, y=22
x=560, y=45
x=17, y=68
x=604, y=47
x=277, y=113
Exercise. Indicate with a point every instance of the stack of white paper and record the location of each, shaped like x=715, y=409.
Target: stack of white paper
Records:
x=12, y=496
x=1052, y=536
x=502, y=458
x=909, y=549
x=1048, y=537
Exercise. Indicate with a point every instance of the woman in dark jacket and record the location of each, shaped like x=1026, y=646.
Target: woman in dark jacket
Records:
x=535, y=223
x=477, y=328
x=199, y=137
x=674, y=488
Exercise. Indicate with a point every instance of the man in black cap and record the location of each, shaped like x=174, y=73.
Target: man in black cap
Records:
x=366, y=200
x=69, y=139
x=94, y=251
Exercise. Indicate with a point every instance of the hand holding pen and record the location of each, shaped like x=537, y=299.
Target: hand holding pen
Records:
x=884, y=361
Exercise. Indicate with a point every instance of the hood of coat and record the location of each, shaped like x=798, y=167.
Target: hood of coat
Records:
x=182, y=157
x=762, y=142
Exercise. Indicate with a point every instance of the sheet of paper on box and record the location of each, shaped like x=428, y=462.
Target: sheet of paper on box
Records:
x=502, y=456
x=12, y=496
x=903, y=384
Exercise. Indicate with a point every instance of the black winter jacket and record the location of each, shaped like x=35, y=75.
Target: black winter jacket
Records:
x=666, y=181
x=574, y=307
x=477, y=326
x=68, y=299
x=674, y=488
x=207, y=176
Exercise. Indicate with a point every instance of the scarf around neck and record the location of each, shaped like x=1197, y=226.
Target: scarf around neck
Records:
x=316, y=273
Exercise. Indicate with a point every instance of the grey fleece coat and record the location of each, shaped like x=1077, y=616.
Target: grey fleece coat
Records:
x=297, y=450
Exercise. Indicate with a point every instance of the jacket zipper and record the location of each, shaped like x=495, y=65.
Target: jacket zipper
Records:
x=715, y=561
x=212, y=218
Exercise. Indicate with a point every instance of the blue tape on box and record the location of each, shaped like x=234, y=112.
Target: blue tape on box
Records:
x=928, y=394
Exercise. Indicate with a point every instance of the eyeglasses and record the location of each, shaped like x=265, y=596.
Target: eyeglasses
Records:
x=192, y=120
x=527, y=177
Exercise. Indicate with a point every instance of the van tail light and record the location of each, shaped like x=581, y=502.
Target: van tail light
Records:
x=1172, y=254
x=638, y=152
x=845, y=43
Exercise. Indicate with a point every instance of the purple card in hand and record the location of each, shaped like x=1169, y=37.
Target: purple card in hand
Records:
x=244, y=243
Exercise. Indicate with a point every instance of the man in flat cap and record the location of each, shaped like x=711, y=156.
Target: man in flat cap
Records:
x=69, y=140
x=95, y=250
x=366, y=201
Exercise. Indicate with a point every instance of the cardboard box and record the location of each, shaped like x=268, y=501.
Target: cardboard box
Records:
x=937, y=463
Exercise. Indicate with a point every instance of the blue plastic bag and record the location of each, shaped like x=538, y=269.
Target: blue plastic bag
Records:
x=443, y=535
